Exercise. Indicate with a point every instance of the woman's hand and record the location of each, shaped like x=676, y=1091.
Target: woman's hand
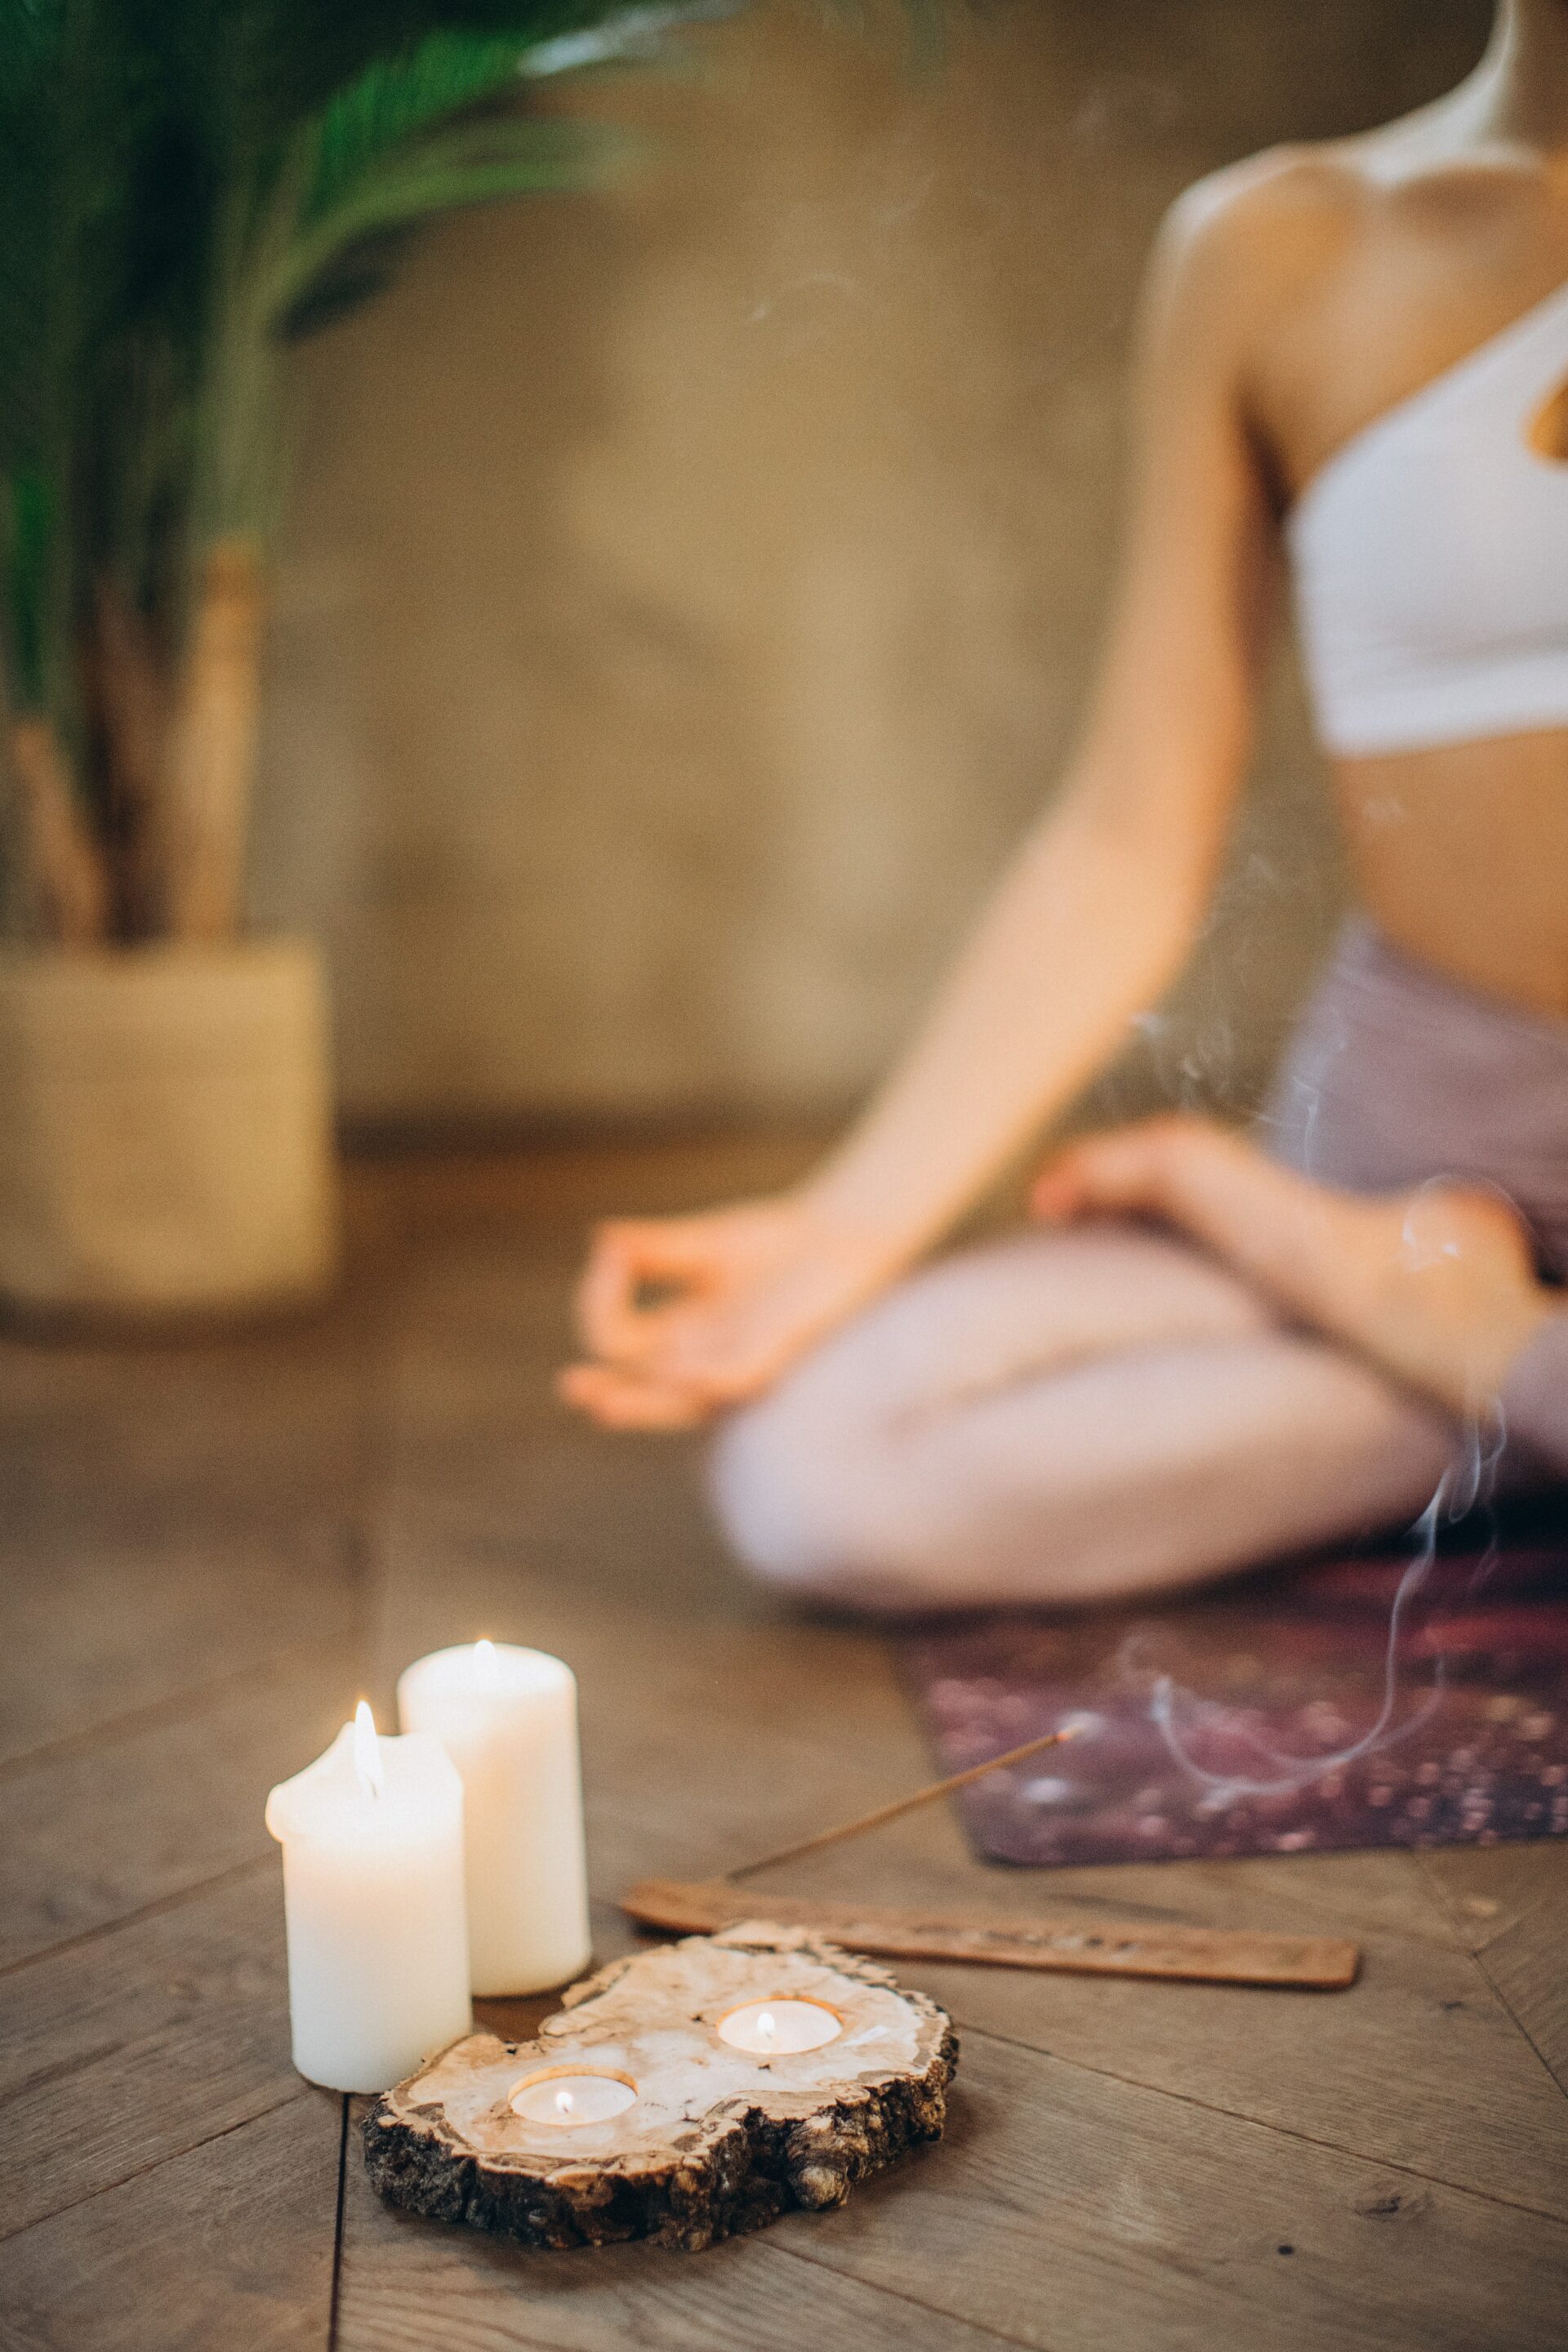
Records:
x=1437, y=1286
x=681, y=1317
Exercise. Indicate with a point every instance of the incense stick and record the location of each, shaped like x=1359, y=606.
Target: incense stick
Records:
x=900, y=1805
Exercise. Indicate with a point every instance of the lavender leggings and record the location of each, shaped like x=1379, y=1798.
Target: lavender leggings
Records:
x=1070, y=1416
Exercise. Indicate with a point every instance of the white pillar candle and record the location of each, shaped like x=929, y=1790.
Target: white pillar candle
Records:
x=372, y=1892
x=508, y=1718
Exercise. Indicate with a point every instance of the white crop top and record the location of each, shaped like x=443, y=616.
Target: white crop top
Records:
x=1431, y=558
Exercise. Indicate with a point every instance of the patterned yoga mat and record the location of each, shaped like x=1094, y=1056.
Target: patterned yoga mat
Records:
x=1270, y=1715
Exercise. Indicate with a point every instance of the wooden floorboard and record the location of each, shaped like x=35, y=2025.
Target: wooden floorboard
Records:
x=226, y=2247
x=1528, y=1970
x=408, y=2286
x=1509, y=1905
x=138, y=2044
x=160, y=1810
x=173, y=1518
x=181, y=1610
x=170, y=1441
x=1419, y=2065
x=208, y=1551
x=1069, y=2212
x=208, y=1609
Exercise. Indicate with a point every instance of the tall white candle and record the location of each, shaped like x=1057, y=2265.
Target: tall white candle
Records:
x=508, y=1718
x=372, y=1892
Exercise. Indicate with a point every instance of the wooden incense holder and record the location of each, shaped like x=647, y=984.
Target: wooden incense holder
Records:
x=1123, y=1949
x=717, y=2140
x=1206, y=1955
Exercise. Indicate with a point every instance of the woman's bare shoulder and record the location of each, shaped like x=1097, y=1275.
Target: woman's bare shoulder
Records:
x=1279, y=225
x=1263, y=229
x=1370, y=252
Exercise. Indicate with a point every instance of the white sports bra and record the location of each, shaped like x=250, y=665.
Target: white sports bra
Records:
x=1430, y=555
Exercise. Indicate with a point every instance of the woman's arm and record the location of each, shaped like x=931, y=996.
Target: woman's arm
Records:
x=1437, y=1286
x=1089, y=925
x=1099, y=908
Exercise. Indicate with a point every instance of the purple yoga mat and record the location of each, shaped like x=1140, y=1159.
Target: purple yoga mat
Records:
x=1220, y=1725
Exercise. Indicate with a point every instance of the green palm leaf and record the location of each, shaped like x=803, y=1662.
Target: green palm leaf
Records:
x=433, y=128
x=408, y=185
x=185, y=184
x=395, y=100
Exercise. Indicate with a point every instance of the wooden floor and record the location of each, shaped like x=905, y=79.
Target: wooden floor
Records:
x=209, y=1549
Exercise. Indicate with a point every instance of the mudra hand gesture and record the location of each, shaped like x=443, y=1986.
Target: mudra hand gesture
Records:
x=1436, y=1285
x=681, y=1317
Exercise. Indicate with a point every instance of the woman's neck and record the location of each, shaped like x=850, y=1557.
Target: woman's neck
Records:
x=1520, y=89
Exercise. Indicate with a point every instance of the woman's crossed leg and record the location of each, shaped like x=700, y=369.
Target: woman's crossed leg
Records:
x=1064, y=1417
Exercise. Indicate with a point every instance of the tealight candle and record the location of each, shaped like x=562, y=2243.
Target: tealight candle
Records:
x=770, y=2028
x=508, y=1718
x=373, y=1894
x=567, y=2100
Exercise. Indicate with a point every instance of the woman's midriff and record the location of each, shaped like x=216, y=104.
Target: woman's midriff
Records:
x=1459, y=854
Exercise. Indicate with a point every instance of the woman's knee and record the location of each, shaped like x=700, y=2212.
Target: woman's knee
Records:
x=796, y=1500
x=779, y=1490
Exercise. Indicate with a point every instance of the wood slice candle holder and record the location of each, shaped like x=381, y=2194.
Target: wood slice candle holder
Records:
x=716, y=2139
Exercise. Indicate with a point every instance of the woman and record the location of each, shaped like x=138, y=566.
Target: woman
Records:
x=1209, y=1356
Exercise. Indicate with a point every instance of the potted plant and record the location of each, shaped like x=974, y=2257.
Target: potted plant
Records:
x=184, y=187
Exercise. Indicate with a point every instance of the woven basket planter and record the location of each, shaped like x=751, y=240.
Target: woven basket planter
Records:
x=165, y=1144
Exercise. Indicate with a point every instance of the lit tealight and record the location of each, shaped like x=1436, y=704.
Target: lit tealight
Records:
x=568, y=2101
x=770, y=2029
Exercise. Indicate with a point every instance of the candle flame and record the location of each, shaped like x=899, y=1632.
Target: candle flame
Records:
x=485, y=1664
x=767, y=2025
x=565, y=2103
x=367, y=1752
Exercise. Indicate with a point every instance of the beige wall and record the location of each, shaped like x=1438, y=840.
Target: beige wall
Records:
x=691, y=587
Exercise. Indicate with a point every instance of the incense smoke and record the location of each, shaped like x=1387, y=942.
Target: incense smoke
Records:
x=1465, y=1486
